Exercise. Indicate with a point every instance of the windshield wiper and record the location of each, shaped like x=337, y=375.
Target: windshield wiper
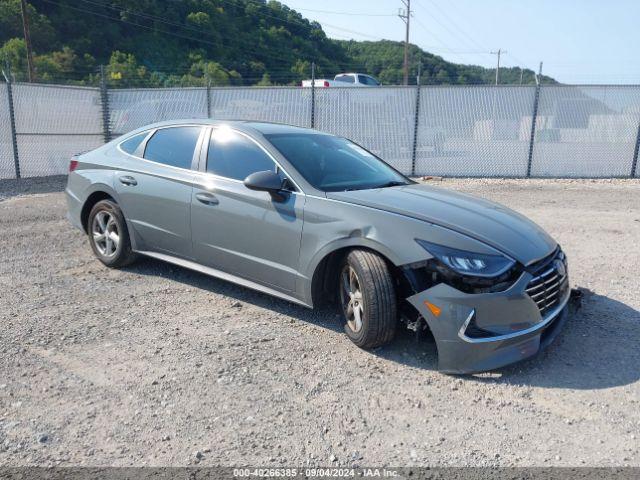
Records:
x=393, y=183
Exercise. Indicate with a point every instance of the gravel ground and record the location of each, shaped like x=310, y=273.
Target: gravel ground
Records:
x=158, y=365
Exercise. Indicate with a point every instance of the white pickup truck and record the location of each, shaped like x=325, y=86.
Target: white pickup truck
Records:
x=345, y=80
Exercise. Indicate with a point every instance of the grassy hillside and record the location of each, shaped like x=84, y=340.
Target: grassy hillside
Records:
x=190, y=42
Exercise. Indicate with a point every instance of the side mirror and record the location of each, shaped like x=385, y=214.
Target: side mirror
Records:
x=266, y=181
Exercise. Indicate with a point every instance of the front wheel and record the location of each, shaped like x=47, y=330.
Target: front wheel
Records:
x=368, y=299
x=108, y=235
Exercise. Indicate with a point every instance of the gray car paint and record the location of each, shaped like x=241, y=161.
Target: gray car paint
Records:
x=489, y=222
x=234, y=233
x=276, y=247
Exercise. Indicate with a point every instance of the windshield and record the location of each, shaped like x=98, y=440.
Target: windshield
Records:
x=334, y=164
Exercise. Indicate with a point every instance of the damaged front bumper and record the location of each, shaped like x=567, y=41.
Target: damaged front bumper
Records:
x=480, y=332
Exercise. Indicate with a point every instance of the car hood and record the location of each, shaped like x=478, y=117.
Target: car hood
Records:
x=489, y=222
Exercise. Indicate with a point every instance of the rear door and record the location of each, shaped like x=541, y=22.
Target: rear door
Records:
x=155, y=189
x=240, y=231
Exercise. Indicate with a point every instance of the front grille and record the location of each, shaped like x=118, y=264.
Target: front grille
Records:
x=549, y=283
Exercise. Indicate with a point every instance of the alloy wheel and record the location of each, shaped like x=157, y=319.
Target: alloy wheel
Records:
x=351, y=298
x=105, y=233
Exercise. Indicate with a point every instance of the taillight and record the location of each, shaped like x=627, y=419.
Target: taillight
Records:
x=326, y=83
x=73, y=164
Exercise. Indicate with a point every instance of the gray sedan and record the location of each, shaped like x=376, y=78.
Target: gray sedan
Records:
x=314, y=218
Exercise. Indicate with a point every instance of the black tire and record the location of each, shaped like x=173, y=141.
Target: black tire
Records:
x=120, y=255
x=378, y=317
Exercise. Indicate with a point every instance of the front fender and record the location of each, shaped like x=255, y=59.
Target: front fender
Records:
x=330, y=225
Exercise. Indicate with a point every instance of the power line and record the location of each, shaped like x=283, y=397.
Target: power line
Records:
x=520, y=62
x=355, y=14
x=468, y=39
x=451, y=32
x=447, y=49
x=292, y=22
x=258, y=53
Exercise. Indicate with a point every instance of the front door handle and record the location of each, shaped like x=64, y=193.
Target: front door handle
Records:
x=128, y=180
x=207, y=198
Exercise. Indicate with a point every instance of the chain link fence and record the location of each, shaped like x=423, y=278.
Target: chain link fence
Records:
x=475, y=131
x=464, y=131
x=589, y=131
x=267, y=104
x=380, y=119
x=54, y=123
x=7, y=167
x=134, y=108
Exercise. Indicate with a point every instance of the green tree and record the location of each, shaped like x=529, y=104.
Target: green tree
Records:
x=265, y=81
x=123, y=70
x=238, y=40
x=42, y=33
x=199, y=19
x=14, y=52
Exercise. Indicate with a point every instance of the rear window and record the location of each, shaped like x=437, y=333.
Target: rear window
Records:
x=173, y=146
x=131, y=144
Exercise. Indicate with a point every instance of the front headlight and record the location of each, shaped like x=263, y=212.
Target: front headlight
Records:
x=469, y=263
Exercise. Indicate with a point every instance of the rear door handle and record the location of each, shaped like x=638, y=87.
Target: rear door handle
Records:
x=207, y=198
x=128, y=180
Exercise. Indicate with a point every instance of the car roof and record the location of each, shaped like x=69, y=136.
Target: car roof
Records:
x=264, y=128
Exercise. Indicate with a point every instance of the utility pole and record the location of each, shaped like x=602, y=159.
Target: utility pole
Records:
x=539, y=77
x=498, y=53
x=521, y=73
x=405, y=16
x=27, y=40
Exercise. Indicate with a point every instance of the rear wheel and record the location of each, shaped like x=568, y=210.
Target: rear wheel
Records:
x=368, y=299
x=108, y=235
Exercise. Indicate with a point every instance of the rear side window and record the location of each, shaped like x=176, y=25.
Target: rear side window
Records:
x=173, y=146
x=233, y=155
x=346, y=78
x=131, y=144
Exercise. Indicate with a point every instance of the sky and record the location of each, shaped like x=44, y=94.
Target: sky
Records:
x=578, y=41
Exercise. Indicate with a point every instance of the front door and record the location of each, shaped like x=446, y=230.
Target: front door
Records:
x=241, y=231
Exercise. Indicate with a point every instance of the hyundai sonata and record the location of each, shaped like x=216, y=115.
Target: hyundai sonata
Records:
x=314, y=218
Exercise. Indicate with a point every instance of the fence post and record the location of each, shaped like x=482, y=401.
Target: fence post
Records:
x=536, y=100
x=12, y=120
x=208, y=96
x=634, y=164
x=415, y=130
x=313, y=94
x=104, y=101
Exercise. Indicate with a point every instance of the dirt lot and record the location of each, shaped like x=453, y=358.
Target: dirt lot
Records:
x=153, y=364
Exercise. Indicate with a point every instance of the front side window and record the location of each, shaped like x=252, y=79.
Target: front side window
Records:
x=173, y=146
x=232, y=155
x=130, y=145
x=334, y=164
